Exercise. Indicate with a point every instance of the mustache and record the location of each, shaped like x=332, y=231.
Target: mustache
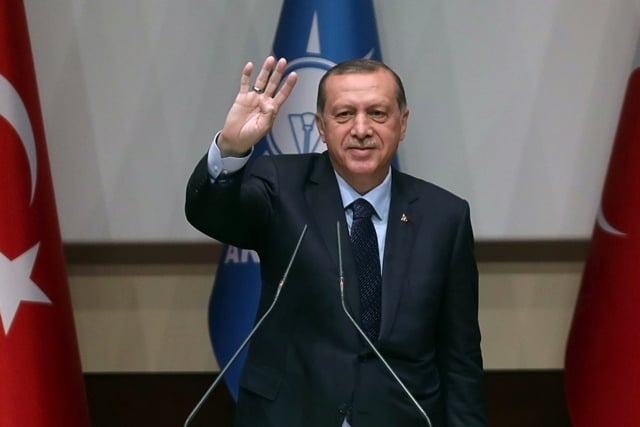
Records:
x=362, y=143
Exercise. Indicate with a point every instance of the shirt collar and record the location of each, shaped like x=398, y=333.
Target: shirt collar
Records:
x=379, y=196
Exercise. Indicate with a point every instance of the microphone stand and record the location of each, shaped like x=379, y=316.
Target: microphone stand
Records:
x=248, y=338
x=366, y=338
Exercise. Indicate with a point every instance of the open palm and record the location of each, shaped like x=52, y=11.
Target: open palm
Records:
x=255, y=108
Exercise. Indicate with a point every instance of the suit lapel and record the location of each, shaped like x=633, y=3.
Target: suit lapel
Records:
x=323, y=197
x=402, y=227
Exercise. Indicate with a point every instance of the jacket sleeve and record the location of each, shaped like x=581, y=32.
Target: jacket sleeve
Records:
x=234, y=207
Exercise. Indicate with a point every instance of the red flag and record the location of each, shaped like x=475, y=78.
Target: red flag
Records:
x=602, y=365
x=40, y=374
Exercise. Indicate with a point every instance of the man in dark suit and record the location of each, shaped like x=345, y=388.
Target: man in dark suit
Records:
x=416, y=298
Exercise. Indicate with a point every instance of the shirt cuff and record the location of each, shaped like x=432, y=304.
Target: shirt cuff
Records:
x=218, y=165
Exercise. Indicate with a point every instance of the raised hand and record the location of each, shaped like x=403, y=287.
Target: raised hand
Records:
x=252, y=114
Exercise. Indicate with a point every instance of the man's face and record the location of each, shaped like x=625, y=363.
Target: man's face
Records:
x=362, y=126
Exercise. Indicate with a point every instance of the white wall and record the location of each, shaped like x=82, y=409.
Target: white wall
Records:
x=514, y=103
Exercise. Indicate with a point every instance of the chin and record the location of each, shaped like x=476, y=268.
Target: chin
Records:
x=359, y=168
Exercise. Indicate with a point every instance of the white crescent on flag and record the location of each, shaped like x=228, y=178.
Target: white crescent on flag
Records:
x=15, y=112
x=605, y=226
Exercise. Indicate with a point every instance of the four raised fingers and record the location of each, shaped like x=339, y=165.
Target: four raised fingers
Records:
x=268, y=79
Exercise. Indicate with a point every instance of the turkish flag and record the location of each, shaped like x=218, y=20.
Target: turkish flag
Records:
x=602, y=365
x=40, y=373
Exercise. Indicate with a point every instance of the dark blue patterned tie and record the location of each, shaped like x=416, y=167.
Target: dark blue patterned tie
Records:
x=367, y=257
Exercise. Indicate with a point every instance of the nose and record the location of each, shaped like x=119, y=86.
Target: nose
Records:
x=361, y=126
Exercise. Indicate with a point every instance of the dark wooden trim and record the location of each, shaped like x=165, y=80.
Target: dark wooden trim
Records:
x=515, y=398
x=155, y=399
x=526, y=398
x=209, y=253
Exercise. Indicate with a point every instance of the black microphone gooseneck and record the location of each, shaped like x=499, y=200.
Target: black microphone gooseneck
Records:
x=248, y=338
x=366, y=338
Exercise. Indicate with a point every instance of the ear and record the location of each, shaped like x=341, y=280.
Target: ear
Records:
x=404, y=119
x=320, y=126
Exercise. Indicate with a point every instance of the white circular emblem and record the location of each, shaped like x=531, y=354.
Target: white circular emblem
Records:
x=294, y=130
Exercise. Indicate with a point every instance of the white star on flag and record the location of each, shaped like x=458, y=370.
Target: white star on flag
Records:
x=16, y=285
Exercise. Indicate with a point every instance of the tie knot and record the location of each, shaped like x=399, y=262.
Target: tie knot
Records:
x=362, y=209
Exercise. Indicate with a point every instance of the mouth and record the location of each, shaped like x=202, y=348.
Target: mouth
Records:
x=360, y=152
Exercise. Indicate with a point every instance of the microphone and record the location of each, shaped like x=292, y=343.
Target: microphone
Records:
x=366, y=338
x=248, y=338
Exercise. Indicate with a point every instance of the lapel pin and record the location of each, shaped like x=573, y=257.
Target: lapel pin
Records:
x=404, y=218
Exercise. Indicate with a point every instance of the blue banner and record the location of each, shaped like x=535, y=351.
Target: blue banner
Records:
x=313, y=35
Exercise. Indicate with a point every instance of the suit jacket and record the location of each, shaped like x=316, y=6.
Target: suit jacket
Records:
x=307, y=366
